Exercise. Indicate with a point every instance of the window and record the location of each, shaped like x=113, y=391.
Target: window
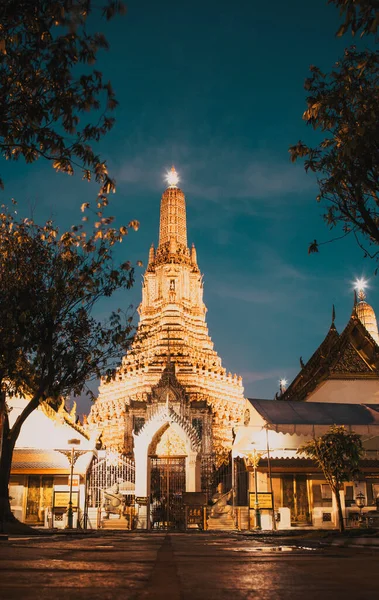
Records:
x=326, y=492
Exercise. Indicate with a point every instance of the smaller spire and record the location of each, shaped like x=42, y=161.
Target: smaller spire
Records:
x=151, y=254
x=193, y=255
x=333, y=314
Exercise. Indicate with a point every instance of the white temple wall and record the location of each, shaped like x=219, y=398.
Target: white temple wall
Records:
x=347, y=391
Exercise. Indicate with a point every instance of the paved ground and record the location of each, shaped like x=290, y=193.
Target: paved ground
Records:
x=191, y=566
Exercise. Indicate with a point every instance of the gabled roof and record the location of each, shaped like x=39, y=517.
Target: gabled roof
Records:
x=351, y=354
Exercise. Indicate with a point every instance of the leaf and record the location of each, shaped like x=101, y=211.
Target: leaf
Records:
x=313, y=247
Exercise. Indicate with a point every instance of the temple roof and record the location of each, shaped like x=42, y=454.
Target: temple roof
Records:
x=33, y=459
x=316, y=413
x=352, y=354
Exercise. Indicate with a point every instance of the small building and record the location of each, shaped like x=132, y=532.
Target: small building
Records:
x=40, y=478
x=338, y=385
x=274, y=431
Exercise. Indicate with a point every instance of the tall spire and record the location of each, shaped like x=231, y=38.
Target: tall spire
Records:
x=173, y=225
x=364, y=311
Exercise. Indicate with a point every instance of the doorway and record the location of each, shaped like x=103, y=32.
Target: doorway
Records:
x=295, y=497
x=167, y=484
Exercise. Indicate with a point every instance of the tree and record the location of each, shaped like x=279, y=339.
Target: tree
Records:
x=47, y=85
x=337, y=453
x=360, y=15
x=51, y=344
x=344, y=106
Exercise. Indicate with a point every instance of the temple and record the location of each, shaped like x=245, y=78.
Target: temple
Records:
x=171, y=397
x=338, y=385
x=173, y=427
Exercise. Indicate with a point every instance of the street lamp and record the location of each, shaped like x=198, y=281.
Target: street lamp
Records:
x=253, y=459
x=360, y=501
x=72, y=456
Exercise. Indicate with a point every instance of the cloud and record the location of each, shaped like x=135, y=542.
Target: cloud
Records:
x=254, y=376
x=216, y=173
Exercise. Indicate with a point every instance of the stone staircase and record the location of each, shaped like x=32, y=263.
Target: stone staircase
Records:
x=115, y=524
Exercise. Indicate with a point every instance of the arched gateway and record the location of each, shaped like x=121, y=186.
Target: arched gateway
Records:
x=167, y=461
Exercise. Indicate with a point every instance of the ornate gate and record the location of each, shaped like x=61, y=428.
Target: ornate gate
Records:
x=108, y=470
x=168, y=482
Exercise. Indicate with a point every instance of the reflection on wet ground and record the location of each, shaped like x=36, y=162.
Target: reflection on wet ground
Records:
x=183, y=566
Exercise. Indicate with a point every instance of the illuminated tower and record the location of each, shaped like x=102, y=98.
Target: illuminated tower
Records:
x=365, y=312
x=172, y=342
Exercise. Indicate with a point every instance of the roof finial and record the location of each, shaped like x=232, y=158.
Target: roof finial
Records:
x=333, y=314
x=283, y=385
x=172, y=178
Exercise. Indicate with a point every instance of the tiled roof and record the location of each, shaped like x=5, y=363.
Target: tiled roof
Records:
x=39, y=459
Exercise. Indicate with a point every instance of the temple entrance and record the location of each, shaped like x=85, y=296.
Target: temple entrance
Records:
x=295, y=497
x=167, y=484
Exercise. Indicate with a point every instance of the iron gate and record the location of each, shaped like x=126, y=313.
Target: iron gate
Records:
x=168, y=482
x=108, y=470
x=212, y=476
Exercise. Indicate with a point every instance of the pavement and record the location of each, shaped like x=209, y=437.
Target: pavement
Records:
x=185, y=566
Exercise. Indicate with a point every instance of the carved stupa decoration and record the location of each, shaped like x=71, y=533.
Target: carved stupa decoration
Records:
x=172, y=334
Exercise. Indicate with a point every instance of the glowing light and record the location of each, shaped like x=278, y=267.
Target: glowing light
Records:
x=360, y=285
x=283, y=382
x=172, y=177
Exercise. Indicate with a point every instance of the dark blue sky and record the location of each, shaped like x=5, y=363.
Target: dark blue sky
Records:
x=216, y=88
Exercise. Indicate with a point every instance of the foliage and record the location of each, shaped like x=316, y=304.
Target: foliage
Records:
x=47, y=85
x=344, y=105
x=50, y=285
x=51, y=344
x=360, y=15
x=337, y=453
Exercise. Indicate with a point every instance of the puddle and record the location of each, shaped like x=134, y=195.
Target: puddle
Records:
x=273, y=549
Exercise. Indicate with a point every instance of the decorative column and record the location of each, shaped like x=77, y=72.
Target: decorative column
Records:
x=141, y=484
x=192, y=472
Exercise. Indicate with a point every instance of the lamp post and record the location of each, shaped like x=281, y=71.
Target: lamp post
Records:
x=72, y=456
x=253, y=459
x=360, y=501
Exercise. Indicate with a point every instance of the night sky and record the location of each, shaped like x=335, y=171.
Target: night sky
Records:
x=216, y=88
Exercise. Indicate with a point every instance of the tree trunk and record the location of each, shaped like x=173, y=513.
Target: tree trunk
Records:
x=341, y=523
x=6, y=452
x=8, y=441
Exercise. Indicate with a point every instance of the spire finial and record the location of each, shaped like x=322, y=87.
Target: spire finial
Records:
x=333, y=314
x=172, y=178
